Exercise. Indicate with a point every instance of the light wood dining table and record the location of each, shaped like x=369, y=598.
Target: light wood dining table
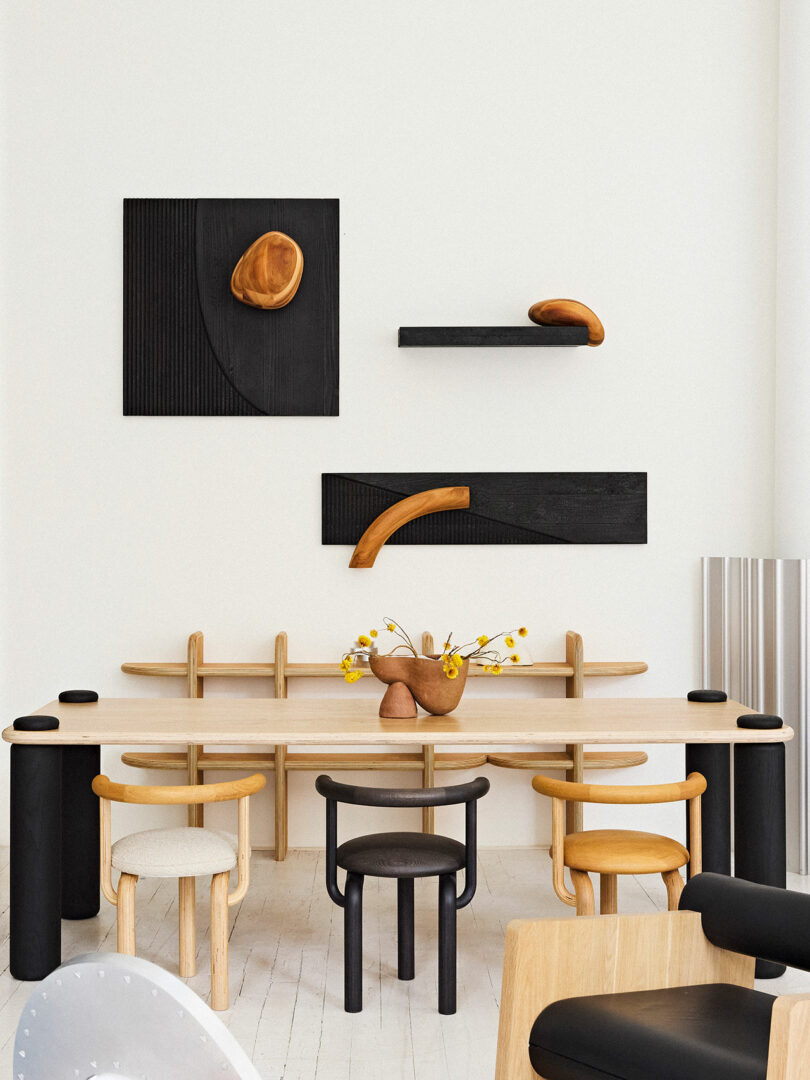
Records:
x=54, y=814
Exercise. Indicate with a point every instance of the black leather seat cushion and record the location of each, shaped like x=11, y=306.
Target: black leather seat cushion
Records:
x=713, y=1032
x=401, y=854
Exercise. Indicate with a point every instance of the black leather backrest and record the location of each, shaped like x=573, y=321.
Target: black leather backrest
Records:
x=391, y=797
x=759, y=920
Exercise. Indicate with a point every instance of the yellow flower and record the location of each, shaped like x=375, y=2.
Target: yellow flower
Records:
x=515, y=658
x=488, y=668
x=523, y=631
x=482, y=641
x=445, y=658
x=509, y=641
x=346, y=663
x=390, y=628
x=373, y=633
x=446, y=646
x=496, y=669
x=457, y=660
x=353, y=676
x=363, y=640
x=451, y=672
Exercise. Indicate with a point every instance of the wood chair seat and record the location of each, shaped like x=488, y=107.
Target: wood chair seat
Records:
x=402, y=855
x=623, y=851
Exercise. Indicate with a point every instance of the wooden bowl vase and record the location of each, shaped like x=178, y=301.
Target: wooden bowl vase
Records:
x=415, y=680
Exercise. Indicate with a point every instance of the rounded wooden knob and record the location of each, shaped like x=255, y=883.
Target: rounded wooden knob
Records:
x=568, y=313
x=269, y=273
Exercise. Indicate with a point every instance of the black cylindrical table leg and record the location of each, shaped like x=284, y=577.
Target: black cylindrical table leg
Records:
x=713, y=760
x=353, y=944
x=760, y=842
x=405, y=962
x=447, y=944
x=36, y=861
x=80, y=832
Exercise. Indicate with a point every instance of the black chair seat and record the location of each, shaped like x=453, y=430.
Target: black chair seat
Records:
x=401, y=855
x=712, y=1032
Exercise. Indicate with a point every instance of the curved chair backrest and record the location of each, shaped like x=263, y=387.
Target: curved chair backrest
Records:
x=694, y=785
x=758, y=920
x=393, y=797
x=180, y=794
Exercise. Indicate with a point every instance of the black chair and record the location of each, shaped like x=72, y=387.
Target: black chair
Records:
x=685, y=1008
x=404, y=856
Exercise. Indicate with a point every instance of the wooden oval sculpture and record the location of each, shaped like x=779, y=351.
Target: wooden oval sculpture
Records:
x=568, y=313
x=414, y=506
x=269, y=273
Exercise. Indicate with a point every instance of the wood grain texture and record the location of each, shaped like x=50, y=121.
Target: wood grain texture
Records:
x=505, y=508
x=568, y=313
x=789, y=1048
x=408, y=509
x=190, y=348
x=177, y=795
x=547, y=960
x=617, y=794
x=346, y=721
x=554, y=759
x=267, y=276
x=489, y=337
x=238, y=762
x=330, y=670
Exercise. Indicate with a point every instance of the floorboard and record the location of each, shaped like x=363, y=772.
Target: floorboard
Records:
x=286, y=966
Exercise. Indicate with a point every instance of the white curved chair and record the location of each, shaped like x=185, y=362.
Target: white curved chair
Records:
x=185, y=853
x=104, y=1015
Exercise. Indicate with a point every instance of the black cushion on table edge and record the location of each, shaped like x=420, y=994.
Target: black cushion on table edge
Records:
x=707, y=695
x=36, y=723
x=77, y=697
x=759, y=720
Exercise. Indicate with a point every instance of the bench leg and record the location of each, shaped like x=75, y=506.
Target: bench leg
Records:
x=405, y=961
x=353, y=944
x=447, y=944
x=280, y=759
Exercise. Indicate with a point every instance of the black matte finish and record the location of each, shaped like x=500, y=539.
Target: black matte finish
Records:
x=491, y=336
x=707, y=695
x=758, y=920
x=759, y=721
x=36, y=860
x=36, y=723
x=713, y=760
x=78, y=697
x=505, y=508
x=80, y=832
x=190, y=347
x=405, y=934
x=402, y=855
x=760, y=831
x=712, y=1032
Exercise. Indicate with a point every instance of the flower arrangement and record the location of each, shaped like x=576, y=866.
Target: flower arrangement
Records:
x=452, y=657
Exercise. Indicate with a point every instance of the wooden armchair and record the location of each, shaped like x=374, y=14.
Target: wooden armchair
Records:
x=570, y=1007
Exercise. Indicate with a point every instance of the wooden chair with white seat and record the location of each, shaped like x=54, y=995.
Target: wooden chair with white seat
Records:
x=610, y=852
x=187, y=852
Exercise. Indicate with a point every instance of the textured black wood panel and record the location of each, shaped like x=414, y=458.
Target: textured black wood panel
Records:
x=491, y=336
x=505, y=508
x=191, y=348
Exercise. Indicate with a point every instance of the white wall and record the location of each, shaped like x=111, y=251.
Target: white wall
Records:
x=485, y=156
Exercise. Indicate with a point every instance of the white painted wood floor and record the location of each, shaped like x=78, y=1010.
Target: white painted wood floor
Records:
x=286, y=966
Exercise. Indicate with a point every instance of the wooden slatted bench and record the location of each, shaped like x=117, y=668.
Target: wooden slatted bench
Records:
x=196, y=761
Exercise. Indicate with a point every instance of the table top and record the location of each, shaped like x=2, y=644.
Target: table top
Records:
x=344, y=721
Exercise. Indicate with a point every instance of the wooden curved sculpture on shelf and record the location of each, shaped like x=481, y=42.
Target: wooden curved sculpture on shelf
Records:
x=415, y=506
x=568, y=313
x=268, y=274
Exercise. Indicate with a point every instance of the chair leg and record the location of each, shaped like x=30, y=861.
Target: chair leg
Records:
x=126, y=913
x=219, y=941
x=447, y=944
x=353, y=944
x=674, y=884
x=188, y=927
x=583, y=887
x=608, y=894
x=405, y=961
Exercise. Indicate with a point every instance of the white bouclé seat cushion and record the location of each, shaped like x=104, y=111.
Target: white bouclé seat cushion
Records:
x=183, y=852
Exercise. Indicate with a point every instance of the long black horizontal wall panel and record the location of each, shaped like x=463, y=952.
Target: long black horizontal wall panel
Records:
x=505, y=508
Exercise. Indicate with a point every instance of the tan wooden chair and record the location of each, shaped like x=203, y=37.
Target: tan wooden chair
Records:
x=610, y=852
x=186, y=853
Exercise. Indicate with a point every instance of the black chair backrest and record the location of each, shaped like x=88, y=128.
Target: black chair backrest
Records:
x=369, y=796
x=758, y=920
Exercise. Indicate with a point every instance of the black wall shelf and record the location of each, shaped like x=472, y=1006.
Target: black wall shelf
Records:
x=491, y=336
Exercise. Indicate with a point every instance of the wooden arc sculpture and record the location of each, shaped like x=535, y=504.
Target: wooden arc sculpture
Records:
x=268, y=274
x=414, y=506
x=568, y=313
